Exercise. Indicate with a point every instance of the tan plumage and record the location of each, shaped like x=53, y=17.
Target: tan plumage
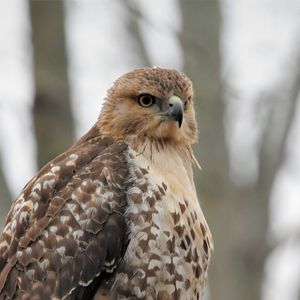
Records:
x=116, y=216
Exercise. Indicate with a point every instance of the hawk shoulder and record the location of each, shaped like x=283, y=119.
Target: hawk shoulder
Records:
x=68, y=226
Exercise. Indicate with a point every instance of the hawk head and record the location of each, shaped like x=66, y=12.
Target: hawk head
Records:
x=151, y=103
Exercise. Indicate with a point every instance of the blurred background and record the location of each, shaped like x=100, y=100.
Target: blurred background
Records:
x=57, y=58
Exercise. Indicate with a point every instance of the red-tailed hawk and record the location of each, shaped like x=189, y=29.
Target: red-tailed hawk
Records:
x=116, y=216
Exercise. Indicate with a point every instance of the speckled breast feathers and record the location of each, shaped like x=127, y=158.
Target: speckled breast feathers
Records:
x=116, y=216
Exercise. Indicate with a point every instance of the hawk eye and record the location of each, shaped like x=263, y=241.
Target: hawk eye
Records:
x=146, y=100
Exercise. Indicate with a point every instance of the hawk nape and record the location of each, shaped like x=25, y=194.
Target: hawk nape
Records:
x=116, y=216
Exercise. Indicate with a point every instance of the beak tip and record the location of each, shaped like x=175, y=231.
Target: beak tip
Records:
x=176, y=110
x=179, y=122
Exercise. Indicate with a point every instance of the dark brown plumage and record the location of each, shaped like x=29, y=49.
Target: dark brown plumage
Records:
x=116, y=216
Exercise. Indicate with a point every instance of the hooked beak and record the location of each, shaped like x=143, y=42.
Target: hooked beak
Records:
x=175, y=111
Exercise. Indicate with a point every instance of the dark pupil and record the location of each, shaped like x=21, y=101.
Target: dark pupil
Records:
x=146, y=100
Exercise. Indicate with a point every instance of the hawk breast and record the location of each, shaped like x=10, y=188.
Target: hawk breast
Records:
x=170, y=242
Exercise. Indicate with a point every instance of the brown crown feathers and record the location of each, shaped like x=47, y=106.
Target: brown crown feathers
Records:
x=123, y=114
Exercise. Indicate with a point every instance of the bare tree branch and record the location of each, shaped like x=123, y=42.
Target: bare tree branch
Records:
x=134, y=28
x=272, y=157
x=52, y=108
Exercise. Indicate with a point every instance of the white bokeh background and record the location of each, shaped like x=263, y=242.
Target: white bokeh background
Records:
x=257, y=43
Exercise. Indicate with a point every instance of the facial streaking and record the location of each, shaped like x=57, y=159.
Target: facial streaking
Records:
x=152, y=103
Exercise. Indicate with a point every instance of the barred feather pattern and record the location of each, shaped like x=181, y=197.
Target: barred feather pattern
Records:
x=68, y=224
x=116, y=216
x=170, y=242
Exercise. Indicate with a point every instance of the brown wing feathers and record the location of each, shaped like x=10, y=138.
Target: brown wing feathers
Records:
x=66, y=235
x=68, y=224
